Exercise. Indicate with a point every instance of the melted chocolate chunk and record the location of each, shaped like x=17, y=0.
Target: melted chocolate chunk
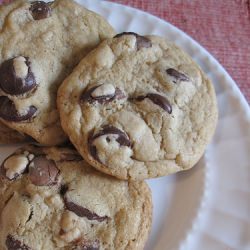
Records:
x=43, y=172
x=177, y=75
x=40, y=10
x=14, y=244
x=8, y=111
x=87, y=96
x=13, y=84
x=141, y=41
x=159, y=100
x=83, y=212
x=122, y=139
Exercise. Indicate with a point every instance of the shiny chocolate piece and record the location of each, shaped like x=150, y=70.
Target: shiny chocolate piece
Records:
x=8, y=111
x=122, y=139
x=16, y=77
x=141, y=41
x=88, y=96
x=40, y=10
x=159, y=100
x=14, y=244
x=43, y=172
x=82, y=211
x=177, y=75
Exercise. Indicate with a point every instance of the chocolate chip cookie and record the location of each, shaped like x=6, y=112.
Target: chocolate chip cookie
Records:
x=8, y=135
x=40, y=43
x=138, y=107
x=63, y=203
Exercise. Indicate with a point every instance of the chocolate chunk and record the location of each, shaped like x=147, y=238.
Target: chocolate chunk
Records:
x=14, y=244
x=8, y=111
x=88, y=96
x=87, y=245
x=141, y=41
x=40, y=10
x=122, y=139
x=16, y=77
x=177, y=75
x=158, y=100
x=83, y=212
x=43, y=172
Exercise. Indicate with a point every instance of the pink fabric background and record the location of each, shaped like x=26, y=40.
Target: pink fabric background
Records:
x=221, y=26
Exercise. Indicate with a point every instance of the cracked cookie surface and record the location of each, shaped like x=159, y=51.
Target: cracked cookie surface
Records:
x=138, y=107
x=40, y=44
x=63, y=203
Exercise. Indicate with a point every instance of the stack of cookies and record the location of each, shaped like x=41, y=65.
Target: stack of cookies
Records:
x=134, y=107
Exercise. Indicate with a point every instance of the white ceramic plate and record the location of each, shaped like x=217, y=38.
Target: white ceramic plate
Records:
x=207, y=207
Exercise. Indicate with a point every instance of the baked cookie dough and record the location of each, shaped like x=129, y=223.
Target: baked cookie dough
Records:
x=40, y=44
x=10, y=136
x=51, y=199
x=138, y=107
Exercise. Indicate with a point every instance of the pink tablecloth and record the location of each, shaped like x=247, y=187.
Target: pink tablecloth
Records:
x=221, y=26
